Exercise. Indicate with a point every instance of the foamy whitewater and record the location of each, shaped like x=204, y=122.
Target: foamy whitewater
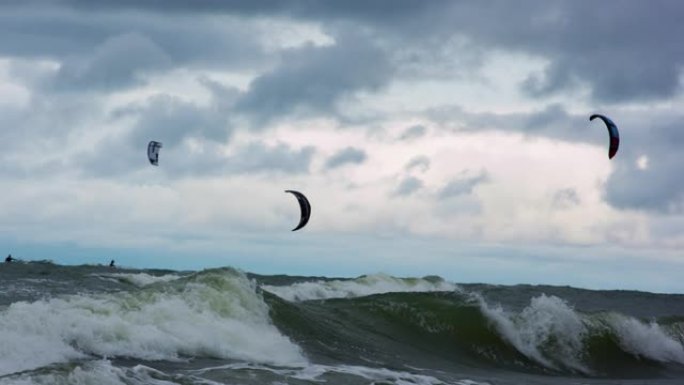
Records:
x=359, y=287
x=96, y=325
x=139, y=279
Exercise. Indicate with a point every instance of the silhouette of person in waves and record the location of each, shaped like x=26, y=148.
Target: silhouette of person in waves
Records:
x=9, y=259
x=111, y=264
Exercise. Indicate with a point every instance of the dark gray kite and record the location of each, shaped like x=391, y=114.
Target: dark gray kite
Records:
x=304, y=206
x=612, y=132
x=153, y=152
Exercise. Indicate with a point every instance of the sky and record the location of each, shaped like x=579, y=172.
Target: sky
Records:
x=437, y=137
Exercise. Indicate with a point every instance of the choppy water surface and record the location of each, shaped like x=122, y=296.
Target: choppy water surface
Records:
x=97, y=325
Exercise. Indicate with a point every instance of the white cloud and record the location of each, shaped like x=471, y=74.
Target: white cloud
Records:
x=642, y=162
x=487, y=161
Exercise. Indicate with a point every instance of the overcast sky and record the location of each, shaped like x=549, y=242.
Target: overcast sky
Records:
x=431, y=137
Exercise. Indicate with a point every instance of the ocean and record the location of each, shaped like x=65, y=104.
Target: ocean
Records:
x=100, y=325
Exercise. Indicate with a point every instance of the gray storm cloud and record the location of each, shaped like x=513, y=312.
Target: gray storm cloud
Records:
x=408, y=186
x=119, y=62
x=312, y=79
x=87, y=38
x=598, y=44
x=656, y=187
x=420, y=163
x=413, y=132
x=565, y=198
x=462, y=186
x=170, y=119
x=349, y=155
x=279, y=158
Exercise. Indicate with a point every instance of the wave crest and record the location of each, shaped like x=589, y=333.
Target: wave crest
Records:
x=214, y=313
x=358, y=287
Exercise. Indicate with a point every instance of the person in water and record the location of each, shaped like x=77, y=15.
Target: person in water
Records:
x=111, y=264
x=9, y=259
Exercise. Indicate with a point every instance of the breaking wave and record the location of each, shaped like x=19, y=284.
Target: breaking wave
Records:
x=550, y=332
x=546, y=336
x=372, y=329
x=215, y=313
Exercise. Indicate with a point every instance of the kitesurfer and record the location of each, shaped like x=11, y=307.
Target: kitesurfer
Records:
x=111, y=264
x=9, y=259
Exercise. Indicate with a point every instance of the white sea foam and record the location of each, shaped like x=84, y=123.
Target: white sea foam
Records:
x=376, y=375
x=214, y=314
x=99, y=372
x=140, y=279
x=358, y=287
x=316, y=373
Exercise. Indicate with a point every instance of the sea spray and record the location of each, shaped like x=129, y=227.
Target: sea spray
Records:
x=552, y=333
x=548, y=331
x=646, y=339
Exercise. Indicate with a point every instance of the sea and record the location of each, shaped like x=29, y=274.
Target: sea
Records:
x=100, y=325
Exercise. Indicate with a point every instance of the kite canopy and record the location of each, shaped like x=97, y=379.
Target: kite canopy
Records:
x=153, y=152
x=304, y=206
x=612, y=132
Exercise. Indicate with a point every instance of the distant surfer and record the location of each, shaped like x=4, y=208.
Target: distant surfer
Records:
x=111, y=264
x=9, y=259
